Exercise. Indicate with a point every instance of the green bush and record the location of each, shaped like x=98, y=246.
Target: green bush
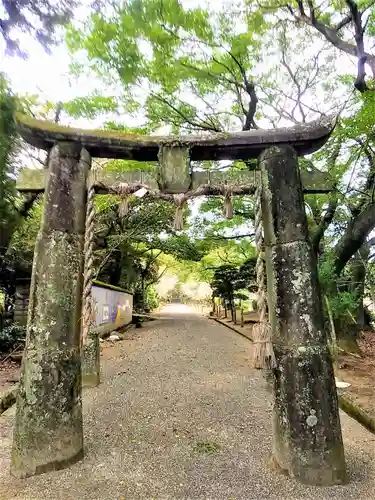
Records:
x=343, y=301
x=152, y=298
x=11, y=336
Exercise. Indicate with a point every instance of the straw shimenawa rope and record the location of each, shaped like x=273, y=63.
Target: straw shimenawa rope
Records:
x=124, y=191
x=179, y=201
x=264, y=357
x=228, y=204
x=87, y=304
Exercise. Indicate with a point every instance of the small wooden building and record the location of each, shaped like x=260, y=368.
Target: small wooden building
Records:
x=21, y=300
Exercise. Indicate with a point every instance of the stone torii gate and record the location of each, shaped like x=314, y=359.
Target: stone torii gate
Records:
x=48, y=434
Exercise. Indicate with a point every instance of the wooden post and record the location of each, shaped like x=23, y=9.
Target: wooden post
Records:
x=48, y=427
x=307, y=440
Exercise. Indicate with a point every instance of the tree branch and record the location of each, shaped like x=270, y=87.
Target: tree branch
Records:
x=330, y=34
x=355, y=236
x=235, y=237
x=202, y=125
x=250, y=89
x=360, y=83
x=324, y=223
x=298, y=86
x=344, y=22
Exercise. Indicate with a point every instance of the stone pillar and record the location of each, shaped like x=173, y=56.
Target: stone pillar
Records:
x=91, y=360
x=48, y=428
x=307, y=440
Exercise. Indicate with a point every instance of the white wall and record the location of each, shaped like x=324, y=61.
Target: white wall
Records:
x=113, y=307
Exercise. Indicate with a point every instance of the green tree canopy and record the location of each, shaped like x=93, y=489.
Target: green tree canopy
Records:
x=40, y=18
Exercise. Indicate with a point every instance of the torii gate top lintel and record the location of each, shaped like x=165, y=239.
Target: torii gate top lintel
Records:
x=305, y=139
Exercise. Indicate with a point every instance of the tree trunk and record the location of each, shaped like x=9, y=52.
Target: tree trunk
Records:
x=359, y=277
x=349, y=327
x=231, y=308
x=355, y=236
x=115, y=269
x=143, y=293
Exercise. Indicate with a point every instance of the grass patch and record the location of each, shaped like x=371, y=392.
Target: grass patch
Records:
x=206, y=447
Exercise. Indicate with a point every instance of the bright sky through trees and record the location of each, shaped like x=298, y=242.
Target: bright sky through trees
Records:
x=48, y=74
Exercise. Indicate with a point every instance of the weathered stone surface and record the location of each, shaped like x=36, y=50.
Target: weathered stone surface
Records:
x=307, y=432
x=305, y=139
x=299, y=318
x=91, y=360
x=174, y=169
x=360, y=414
x=64, y=191
x=31, y=180
x=282, y=184
x=8, y=398
x=48, y=428
x=307, y=440
x=102, y=179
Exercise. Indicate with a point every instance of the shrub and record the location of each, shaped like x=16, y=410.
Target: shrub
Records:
x=11, y=336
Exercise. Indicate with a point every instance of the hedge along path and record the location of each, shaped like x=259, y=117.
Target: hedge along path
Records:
x=307, y=434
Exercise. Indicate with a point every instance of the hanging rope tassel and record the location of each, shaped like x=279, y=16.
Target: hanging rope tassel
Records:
x=228, y=204
x=123, y=208
x=123, y=191
x=264, y=356
x=178, y=223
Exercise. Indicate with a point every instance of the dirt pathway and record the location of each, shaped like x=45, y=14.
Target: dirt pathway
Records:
x=180, y=415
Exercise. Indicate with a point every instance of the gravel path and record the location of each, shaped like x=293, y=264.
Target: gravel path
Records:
x=180, y=415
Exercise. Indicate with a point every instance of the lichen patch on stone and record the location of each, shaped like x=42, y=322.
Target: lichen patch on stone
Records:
x=311, y=420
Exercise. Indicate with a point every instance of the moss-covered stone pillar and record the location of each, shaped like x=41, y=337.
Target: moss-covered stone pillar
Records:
x=307, y=440
x=48, y=428
x=91, y=360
